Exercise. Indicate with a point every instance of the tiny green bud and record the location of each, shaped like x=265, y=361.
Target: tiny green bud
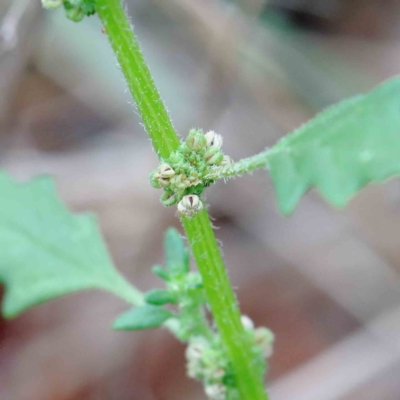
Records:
x=213, y=139
x=264, y=338
x=176, y=158
x=75, y=14
x=196, y=140
x=169, y=198
x=159, y=297
x=190, y=205
x=185, y=149
x=52, y=3
x=154, y=181
x=160, y=272
x=213, y=156
x=226, y=161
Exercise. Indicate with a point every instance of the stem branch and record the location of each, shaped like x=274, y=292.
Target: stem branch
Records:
x=241, y=167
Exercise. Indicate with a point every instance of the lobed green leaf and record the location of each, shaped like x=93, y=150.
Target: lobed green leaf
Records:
x=47, y=252
x=341, y=150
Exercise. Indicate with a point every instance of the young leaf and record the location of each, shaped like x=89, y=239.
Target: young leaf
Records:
x=159, y=297
x=47, y=252
x=176, y=254
x=341, y=150
x=160, y=272
x=143, y=317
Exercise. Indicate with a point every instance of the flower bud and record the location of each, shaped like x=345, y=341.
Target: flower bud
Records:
x=169, y=198
x=162, y=182
x=189, y=205
x=154, y=181
x=196, y=140
x=226, y=161
x=264, y=338
x=165, y=171
x=247, y=322
x=52, y=3
x=213, y=139
x=161, y=176
x=213, y=156
x=180, y=182
x=176, y=158
x=75, y=14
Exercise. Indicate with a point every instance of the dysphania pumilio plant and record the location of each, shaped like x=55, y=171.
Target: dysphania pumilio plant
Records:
x=47, y=252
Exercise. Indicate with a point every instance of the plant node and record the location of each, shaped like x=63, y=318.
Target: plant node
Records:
x=186, y=173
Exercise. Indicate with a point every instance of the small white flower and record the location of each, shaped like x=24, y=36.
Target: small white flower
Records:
x=190, y=205
x=247, y=322
x=213, y=139
x=216, y=391
x=194, y=351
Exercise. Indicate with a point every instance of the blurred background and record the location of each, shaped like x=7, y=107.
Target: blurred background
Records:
x=326, y=282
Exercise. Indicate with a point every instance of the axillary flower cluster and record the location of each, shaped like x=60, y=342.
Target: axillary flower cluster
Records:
x=208, y=361
x=184, y=175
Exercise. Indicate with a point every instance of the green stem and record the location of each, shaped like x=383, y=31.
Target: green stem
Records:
x=198, y=229
x=150, y=106
x=223, y=304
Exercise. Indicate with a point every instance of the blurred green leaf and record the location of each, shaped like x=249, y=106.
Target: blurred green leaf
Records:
x=176, y=253
x=159, y=297
x=160, y=272
x=144, y=317
x=47, y=252
x=341, y=150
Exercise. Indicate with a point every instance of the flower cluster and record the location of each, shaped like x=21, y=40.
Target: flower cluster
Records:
x=75, y=10
x=207, y=360
x=183, y=176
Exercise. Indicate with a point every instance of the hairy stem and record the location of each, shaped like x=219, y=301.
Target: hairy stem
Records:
x=241, y=167
x=223, y=304
x=198, y=229
x=140, y=82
